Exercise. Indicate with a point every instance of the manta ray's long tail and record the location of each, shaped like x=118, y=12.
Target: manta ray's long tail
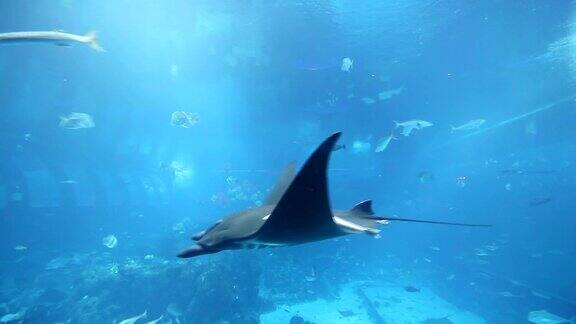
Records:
x=384, y=218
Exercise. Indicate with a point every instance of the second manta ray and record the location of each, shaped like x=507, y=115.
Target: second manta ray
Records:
x=296, y=212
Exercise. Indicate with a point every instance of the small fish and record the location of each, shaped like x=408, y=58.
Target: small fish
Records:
x=387, y=94
x=545, y=317
x=77, y=121
x=461, y=181
x=59, y=38
x=410, y=125
x=347, y=313
x=411, y=289
x=481, y=252
x=368, y=101
x=451, y=277
x=311, y=276
x=383, y=143
x=69, y=182
x=434, y=248
x=425, y=176
x=133, y=320
x=491, y=247
x=517, y=283
x=525, y=172
x=531, y=128
x=156, y=320
x=508, y=294
x=20, y=248
x=174, y=70
x=471, y=125
x=540, y=295
x=540, y=201
x=13, y=317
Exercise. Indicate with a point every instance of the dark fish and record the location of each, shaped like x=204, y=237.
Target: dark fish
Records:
x=347, y=313
x=296, y=319
x=540, y=201
x=411, y=289
x=425, y=176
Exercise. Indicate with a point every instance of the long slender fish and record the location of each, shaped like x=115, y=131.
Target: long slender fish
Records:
x=59, y=38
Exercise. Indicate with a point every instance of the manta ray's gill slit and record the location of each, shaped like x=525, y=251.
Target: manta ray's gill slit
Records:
x=522, y=116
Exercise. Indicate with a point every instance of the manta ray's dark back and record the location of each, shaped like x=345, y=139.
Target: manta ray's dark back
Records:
x=303, y=212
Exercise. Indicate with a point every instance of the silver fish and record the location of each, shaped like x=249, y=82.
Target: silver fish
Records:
x=383, y=143
x=59, y=38
x=133, y=320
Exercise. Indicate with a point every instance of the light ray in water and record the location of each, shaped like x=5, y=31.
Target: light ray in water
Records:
x=509, y=121
x=521, y=116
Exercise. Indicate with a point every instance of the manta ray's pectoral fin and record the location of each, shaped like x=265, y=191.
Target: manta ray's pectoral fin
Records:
x=281, y=185
x=303, y=213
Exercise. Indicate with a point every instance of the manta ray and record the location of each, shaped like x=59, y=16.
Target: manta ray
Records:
x=297, y=211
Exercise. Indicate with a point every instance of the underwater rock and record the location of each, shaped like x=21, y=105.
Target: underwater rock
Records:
x=443, y=320
x=297, y=319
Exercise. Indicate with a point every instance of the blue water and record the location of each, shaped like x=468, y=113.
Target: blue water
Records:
x=265, y=81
